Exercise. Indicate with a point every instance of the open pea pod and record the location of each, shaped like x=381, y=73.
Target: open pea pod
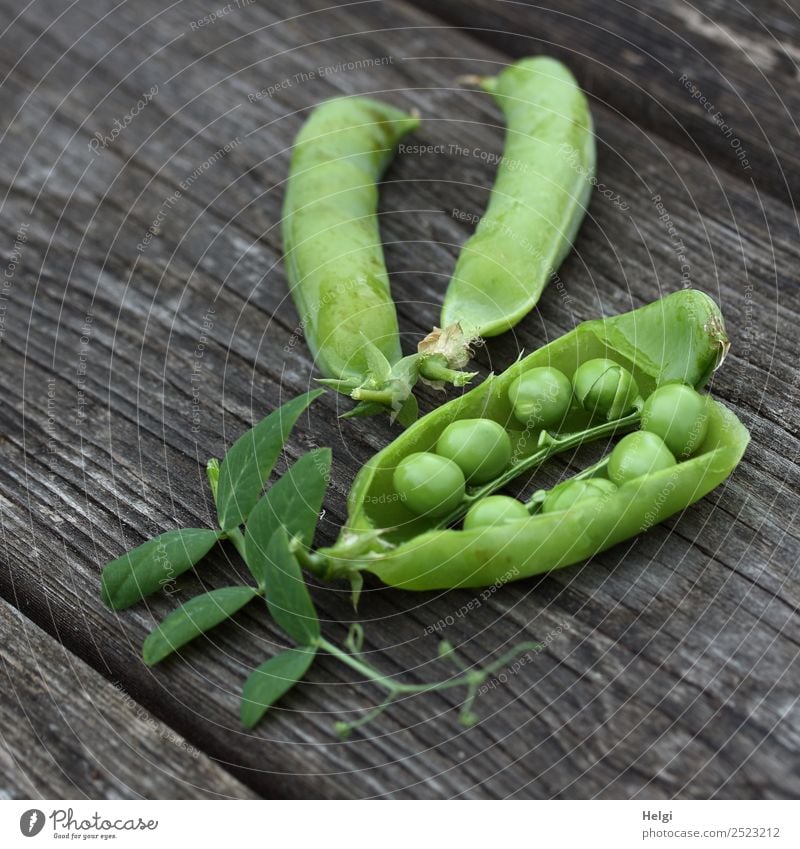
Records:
x=449, y=558
x=680, y=338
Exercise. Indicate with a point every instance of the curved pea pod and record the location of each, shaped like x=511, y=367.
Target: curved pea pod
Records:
x=448, y=558
x=334, y=257
x=538, y=201
x=334, y=261
x=678, y=338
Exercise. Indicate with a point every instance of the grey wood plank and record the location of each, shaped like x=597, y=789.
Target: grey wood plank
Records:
x=69, y=733
x=678, y=662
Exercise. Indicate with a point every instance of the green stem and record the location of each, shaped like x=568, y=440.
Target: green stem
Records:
x=373, y=396
x=471, y=679
x=393, y=687
x=346, y=728
x=435, y=368
x=309, y=559
x=237, y=538
x=465, y=714
x=465, y=679
x=510, y=655
x=369, y=672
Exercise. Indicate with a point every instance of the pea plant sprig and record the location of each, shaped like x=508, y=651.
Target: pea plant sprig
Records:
x=268, y=530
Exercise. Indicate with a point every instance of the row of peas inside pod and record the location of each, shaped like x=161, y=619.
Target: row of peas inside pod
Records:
x=638, y=373
x=474, y=452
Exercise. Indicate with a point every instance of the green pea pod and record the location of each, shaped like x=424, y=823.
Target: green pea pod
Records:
x=538, y=201
x=679, y=338
x=448, y=558
x=334, y=256
x=335, y=265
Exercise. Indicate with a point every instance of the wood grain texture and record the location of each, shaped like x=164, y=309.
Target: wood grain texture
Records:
x=671, y=662
x=716, y=78
x=69, y=733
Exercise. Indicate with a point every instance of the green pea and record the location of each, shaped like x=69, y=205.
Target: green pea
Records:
x=677, y=413
x=575, y=492
x=429, y=484
x=541, y=397
x=494, y=510
x=605, y=388
x=637, y=454
x=479, y=447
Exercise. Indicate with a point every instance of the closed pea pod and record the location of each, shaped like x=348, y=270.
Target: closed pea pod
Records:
x=680, y=338
x=334, y=257
x=332, y=245
x=537, y=203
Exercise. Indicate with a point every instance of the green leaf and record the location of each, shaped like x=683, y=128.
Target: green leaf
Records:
x=292, y=502
x=287, y=596
x=364, y=408
x=343, y=385
x=212, y=473
x=251, y=459
x=271, y=680
x=356, y=585
x=379, y=367
x=158, y=562
x=197, y=616
x=407, y=414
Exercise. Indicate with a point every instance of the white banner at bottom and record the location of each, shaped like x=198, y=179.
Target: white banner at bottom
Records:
x=595, y=824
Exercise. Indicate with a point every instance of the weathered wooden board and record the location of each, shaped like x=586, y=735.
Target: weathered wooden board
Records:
x=67, y=732
x=717, y=78
x=671, y=663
